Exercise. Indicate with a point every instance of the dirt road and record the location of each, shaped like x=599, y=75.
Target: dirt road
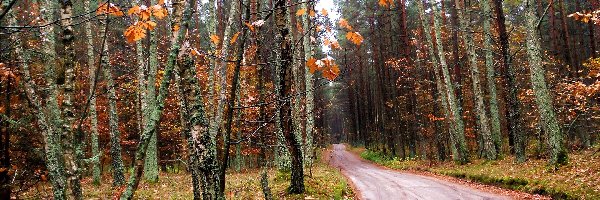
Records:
x=373, y=182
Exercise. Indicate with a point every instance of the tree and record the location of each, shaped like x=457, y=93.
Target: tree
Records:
x=543, y=99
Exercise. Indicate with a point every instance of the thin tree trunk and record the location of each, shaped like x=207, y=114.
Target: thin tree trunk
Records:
x=152, y=123
x=96, y=171
x=113, y=117
x=491, y=77
x=151, y=163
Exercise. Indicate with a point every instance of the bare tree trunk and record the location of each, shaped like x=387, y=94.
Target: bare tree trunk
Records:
x=543, y=99
x=284, y=62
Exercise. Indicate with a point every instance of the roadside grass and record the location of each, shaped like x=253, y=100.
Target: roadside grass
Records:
x=580, y=179
x=325, y=183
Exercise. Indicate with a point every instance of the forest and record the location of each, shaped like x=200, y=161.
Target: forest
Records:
x=247, y=99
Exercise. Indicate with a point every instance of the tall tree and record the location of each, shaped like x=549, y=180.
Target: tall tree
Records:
x=284, y=62
x=96, y=171
x=543, y=100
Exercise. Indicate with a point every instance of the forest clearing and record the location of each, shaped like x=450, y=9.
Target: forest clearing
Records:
x=241, y=99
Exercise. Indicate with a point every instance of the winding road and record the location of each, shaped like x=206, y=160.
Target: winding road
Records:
x=374, y=182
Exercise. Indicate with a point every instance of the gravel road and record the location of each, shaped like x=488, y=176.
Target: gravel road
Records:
x=374, y=182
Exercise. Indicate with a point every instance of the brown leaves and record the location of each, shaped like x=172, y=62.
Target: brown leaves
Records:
x=324, y=12
x=312, y=65
x=7, y=74
x=110, y=9
x=355, y=37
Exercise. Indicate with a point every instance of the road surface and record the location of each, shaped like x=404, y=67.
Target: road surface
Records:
x=374, y=182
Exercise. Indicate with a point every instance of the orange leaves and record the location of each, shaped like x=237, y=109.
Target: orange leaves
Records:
x=344, y=24
x=301, y=12
x=324, y=12
x=355, y=37
x=110, y=9
x=137, y=31
x=327, y=66
x=215, y=39
x=585, y=17
x=234, y=38
x=312, y=65
x=386, y=3
x=159, y=12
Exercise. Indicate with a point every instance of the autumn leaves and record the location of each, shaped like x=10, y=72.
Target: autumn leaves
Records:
x=327, y=65
x=146, y=14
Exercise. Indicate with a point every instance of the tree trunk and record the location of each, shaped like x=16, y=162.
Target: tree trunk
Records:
x=151, y=162
x=482, y=119
x=543, y=99
x=284, y=62
x=152, y=123
x=460, y=144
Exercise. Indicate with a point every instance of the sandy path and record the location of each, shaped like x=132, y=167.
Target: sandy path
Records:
x=373, y=182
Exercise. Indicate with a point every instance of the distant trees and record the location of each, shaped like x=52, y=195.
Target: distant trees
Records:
x=506, y=102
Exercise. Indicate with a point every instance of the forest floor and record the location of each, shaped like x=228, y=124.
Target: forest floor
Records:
x=580, y=179
x=325, y=183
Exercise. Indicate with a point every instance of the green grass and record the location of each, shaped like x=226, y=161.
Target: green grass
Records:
x=580, y=179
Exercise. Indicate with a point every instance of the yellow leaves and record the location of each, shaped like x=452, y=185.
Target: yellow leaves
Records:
x=215, y=39
x=327, y=66
x=324, y=12
x=234, y=38
x=312, y=13
x=344, y=24
x=386, y=3
x=301, y=12
x=110, y=9
x=354, y=37
x=135, y=32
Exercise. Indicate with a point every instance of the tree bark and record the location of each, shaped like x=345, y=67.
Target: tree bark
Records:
x=543, y=99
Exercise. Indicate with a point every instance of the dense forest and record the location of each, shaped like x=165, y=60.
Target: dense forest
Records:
x=120, y=92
